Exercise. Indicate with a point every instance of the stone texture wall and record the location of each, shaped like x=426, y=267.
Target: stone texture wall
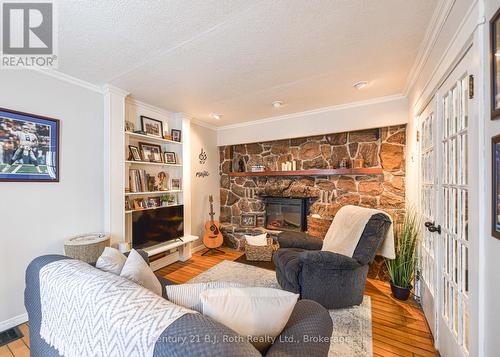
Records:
x=381, y=147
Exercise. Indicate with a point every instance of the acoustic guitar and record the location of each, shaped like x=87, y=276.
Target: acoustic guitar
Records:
x=213, y=236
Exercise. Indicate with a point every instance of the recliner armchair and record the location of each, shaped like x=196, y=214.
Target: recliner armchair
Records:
x=333, y=280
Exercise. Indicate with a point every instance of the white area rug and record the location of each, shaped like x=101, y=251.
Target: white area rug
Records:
x=352, y=327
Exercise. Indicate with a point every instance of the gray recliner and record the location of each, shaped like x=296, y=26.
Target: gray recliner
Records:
x=333, y=280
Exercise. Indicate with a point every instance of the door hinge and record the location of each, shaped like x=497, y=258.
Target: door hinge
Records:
x=471, y=86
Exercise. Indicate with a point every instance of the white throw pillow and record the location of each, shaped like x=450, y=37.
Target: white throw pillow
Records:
x=188, y=295
x=260, y=313
x=111, y=260
x=259, y=240
x=137, y=270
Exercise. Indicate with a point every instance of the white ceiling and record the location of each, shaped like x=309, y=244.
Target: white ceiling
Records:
x=235, y=57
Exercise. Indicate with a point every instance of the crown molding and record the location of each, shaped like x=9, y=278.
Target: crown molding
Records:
x=203, y=124
x=161, y=111
x=421, y=98
x=69, y=79
x=351, y=105
x=108, y=88
x=435, y=27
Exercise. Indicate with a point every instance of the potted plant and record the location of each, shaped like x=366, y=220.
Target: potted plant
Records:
x=402, y=268
x=164, y=200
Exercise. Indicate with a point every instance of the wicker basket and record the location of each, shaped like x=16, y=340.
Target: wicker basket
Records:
x=263, y=253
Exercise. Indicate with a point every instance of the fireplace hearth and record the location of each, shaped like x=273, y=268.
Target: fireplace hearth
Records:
x=286, y=214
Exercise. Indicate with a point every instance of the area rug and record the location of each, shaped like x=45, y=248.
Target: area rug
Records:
x=352, y=327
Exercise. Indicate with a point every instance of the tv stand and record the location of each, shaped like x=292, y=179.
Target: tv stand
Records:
x=183, y=252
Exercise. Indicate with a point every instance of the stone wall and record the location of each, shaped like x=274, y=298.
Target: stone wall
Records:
x=381, y=147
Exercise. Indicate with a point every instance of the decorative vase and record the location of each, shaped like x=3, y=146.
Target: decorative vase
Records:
x=400, y=293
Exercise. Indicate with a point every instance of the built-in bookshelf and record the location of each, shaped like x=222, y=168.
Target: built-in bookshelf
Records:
x=148, y=187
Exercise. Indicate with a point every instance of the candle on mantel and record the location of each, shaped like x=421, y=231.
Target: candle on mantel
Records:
x=294, y=165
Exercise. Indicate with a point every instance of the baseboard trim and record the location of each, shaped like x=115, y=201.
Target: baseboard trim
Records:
x=197, y=248
x=16, y=320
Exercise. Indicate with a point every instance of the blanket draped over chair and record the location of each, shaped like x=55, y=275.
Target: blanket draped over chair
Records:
x=88, y=312
x=347, y=228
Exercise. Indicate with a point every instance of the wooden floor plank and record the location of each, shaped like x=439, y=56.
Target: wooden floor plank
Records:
x=399, y=329
x=5, y=352
x=19, y=349
x=25, y=330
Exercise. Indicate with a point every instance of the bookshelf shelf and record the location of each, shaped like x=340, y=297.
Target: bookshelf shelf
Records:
x=151, y=193
x=132, y=162
x=151, y=138
x=147, y=209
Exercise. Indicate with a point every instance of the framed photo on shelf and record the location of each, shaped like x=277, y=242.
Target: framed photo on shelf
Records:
x=29, y=147
x=129, y=126
x=176, y=135
x=170, y=157
x=152, y=126
x=139, y=203
x=127, y=204
x=135, y=154
x=176, y=184
x=150, y=152
x=248, y=220
x=495, y=65
x=495, y=189
x=153, y=202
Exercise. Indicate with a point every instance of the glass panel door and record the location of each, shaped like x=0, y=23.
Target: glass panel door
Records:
x=428, y=186
x=455, y=196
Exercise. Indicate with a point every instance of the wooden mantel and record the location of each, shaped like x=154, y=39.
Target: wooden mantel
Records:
x=314, y=172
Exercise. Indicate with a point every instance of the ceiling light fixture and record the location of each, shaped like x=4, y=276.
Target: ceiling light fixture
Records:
x=360, y=84
x=277, y=103
x=215, y=116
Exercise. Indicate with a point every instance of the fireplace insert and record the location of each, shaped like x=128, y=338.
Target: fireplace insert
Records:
x=287, y=214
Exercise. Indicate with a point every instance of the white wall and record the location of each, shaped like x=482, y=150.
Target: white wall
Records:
x=202, y=187
x=35, y=218
x=375, y=113
x=491, y=244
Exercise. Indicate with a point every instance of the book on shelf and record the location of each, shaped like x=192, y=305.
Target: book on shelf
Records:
x=138, y=180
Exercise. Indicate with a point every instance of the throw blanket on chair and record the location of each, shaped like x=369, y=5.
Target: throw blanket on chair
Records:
x=88, y=312
x=348, y=226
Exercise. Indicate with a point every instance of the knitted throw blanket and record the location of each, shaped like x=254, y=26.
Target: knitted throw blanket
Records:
x=88, y=312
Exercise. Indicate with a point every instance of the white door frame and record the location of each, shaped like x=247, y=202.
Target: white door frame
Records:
x=474, y=187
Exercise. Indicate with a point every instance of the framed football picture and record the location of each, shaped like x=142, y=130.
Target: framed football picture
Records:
x=29, y=147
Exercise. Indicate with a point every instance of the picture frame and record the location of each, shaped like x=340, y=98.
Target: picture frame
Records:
x=153, y=202
x=139, y=204
x=152, y=127
x=495, y=65
x=248, y=220
x=29, y=147
x=127, y=204
x=170, y=157
x=176, y=135
x=129, y=126
x=151, y=152
x=135, y=154
x=175, y=184
x=495, y=186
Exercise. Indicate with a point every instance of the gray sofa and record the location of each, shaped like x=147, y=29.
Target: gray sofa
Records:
x=333, y=280
x=308, y=319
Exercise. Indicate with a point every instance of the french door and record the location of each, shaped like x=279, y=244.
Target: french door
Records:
x=445, y=248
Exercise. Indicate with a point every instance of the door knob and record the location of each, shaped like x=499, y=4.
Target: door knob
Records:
x=431, y=227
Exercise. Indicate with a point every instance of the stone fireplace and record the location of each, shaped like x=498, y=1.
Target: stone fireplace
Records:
x=382, y=148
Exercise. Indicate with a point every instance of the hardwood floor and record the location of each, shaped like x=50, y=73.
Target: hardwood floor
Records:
x=399, y=328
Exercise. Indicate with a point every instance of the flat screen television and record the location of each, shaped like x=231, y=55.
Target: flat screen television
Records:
x=155, y=226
